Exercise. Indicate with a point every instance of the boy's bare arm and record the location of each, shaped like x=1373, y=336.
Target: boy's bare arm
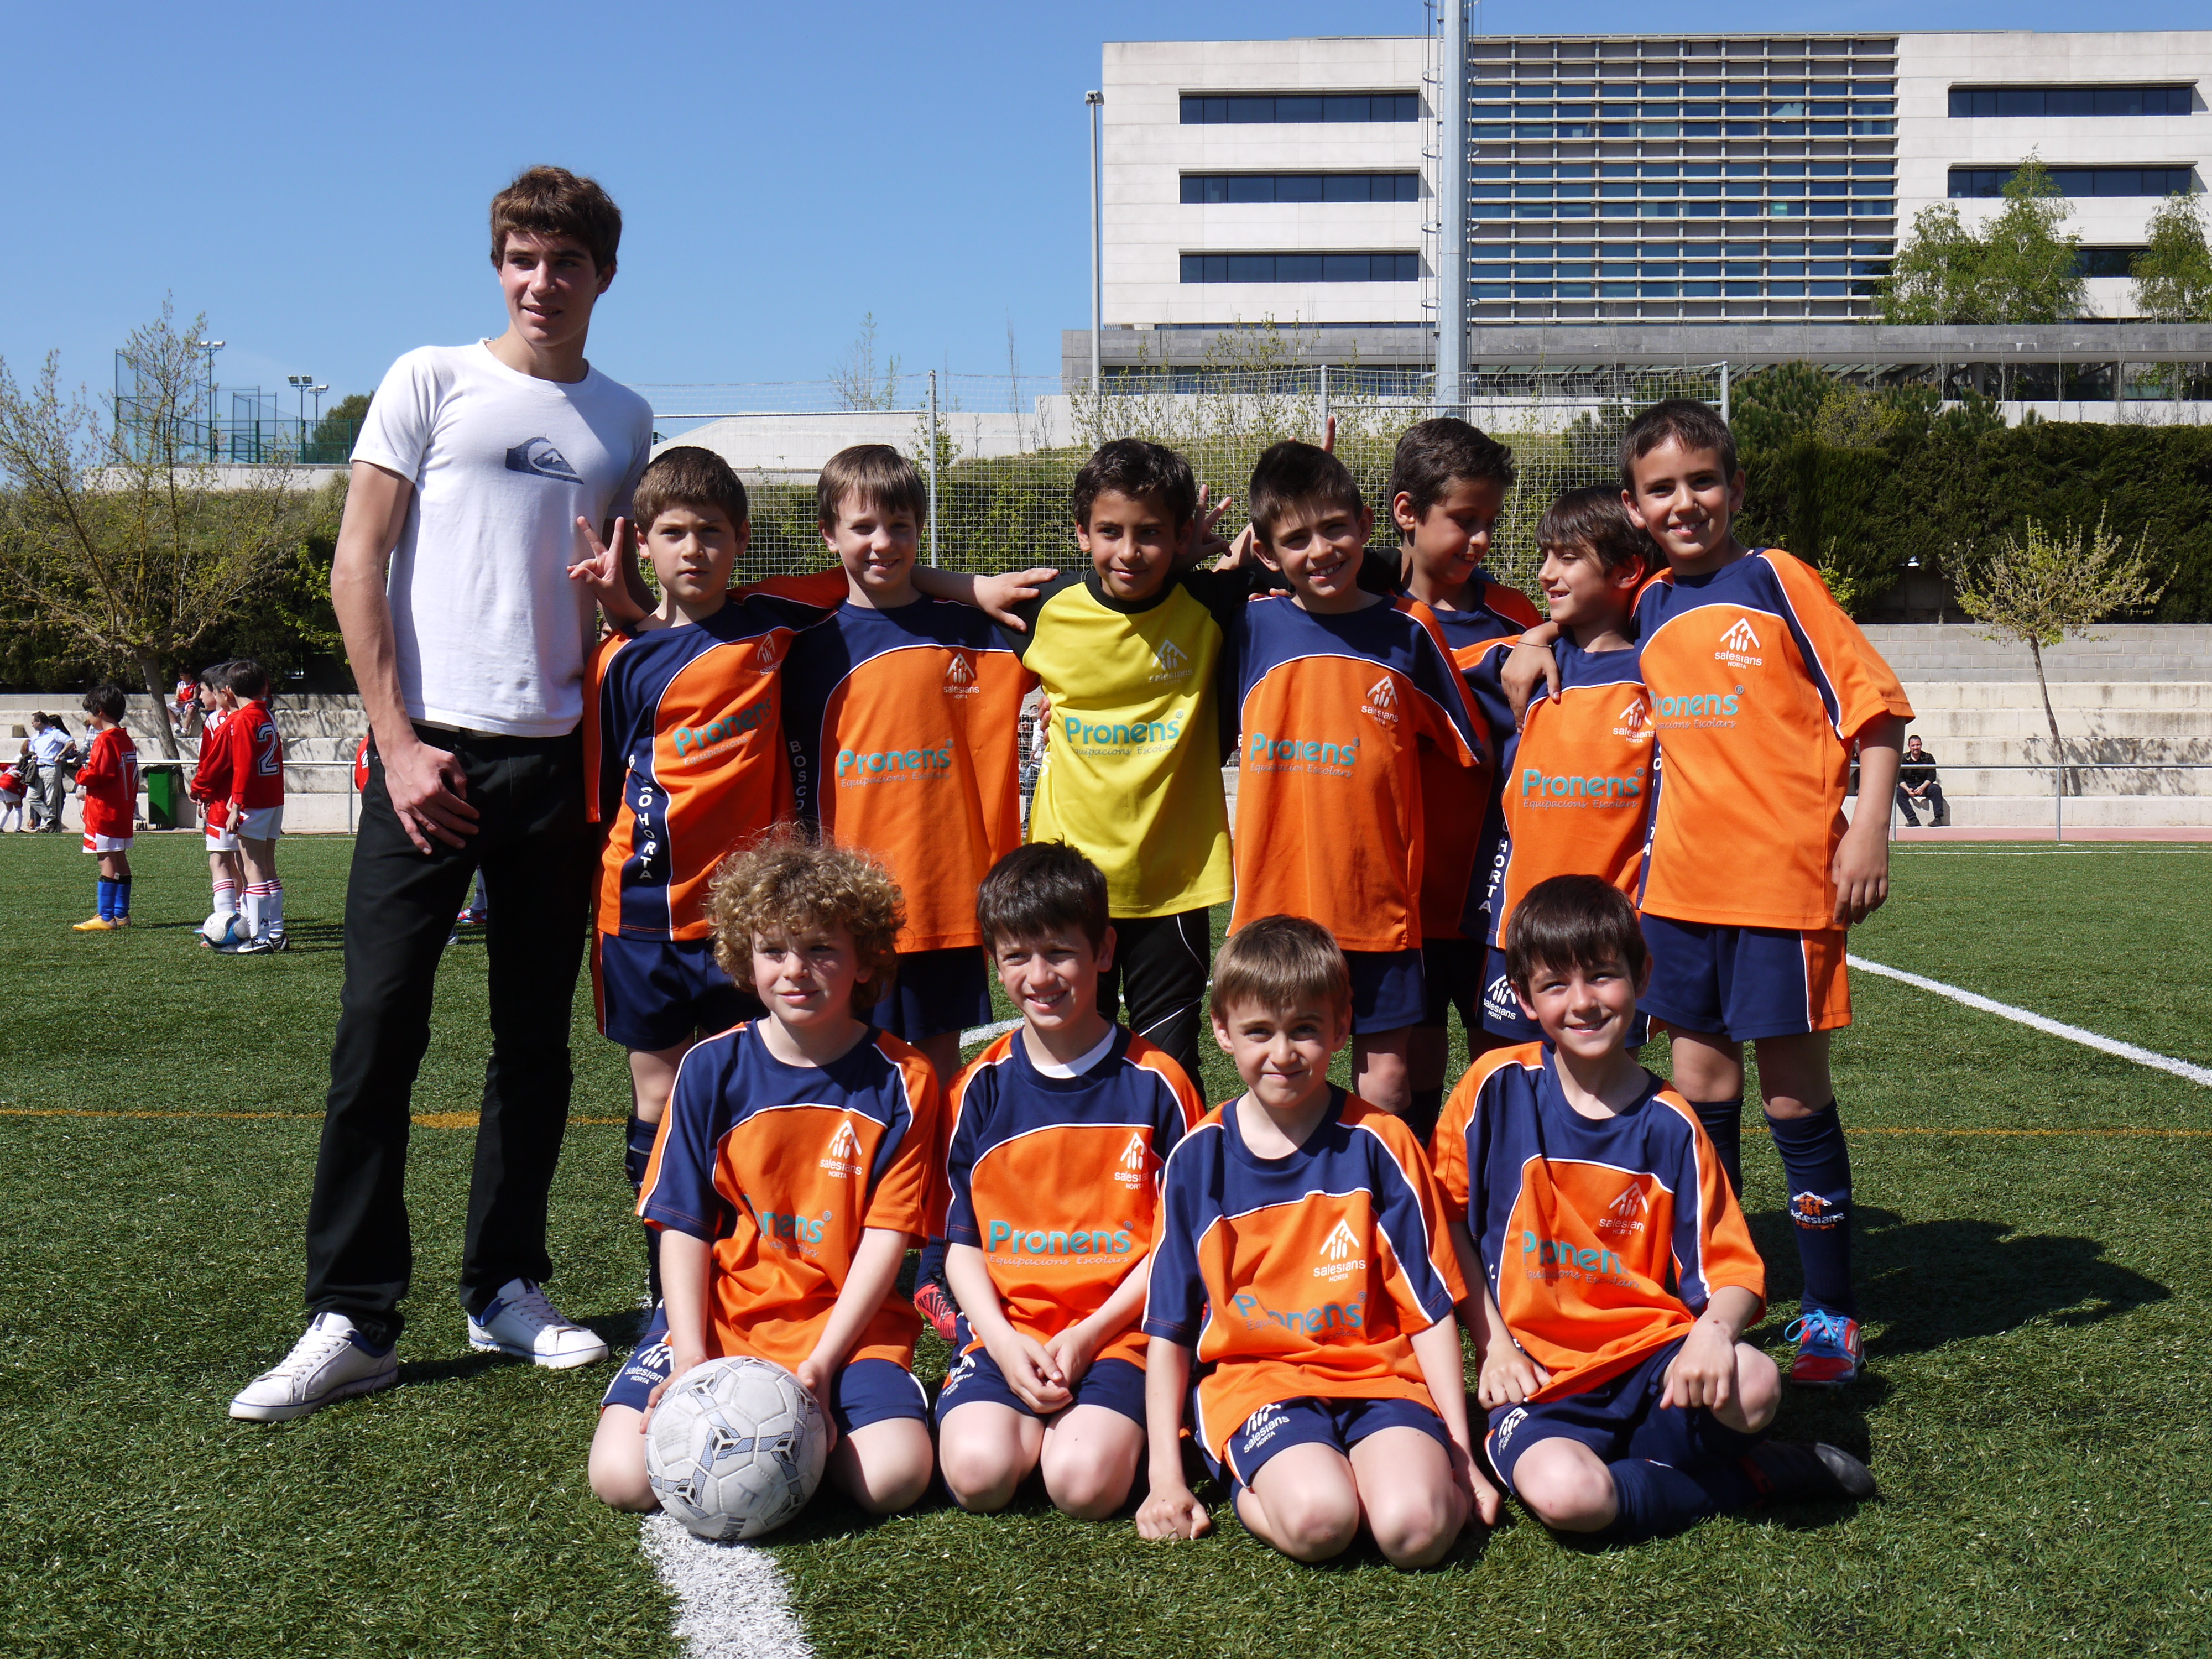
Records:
x=994, y=596
x=1861, y=866
x=868, y=1281
x=1703, y=1370
x=1437, y=1351
x=1074, y=1348
x=684, y=1264
x=1529, y=665
x=1172, y=1509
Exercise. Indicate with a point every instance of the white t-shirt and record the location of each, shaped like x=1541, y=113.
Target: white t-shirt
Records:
x=491, y=634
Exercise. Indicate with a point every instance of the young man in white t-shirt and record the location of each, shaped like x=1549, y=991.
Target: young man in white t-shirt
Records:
x=468, y=636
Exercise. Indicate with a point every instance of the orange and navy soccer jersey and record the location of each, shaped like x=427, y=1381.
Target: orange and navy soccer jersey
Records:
x=1056, y=1179
x=1302, y=1276
x=683, y=751
x=1600, y=1239
x=1758, y=681
x=210, y=784
x=902, y=729
x=109, y=782
x=781, y=1168
x=1457, y=802
x=1577, y=780
x=1334, y=709
x=257, y=756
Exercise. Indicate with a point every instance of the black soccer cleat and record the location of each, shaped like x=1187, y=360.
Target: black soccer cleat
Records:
x=1786, y=1473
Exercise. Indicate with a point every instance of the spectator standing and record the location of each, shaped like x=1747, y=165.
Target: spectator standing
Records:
x=472, y=473
x=1916, y=782
x=50, y=748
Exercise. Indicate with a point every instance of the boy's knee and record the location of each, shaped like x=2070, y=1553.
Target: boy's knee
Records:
x=1312, y=1525
x=980, y=1476
x=1091, y=1484
x=890, y=1471
x=618, y=1478
x=1759, y=1388
x=1414, y=1525
x=1570, y=1492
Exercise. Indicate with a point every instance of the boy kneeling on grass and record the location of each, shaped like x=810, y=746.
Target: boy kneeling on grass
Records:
x=810, y=1113
x=1302, y=1255
x=1611, y=1274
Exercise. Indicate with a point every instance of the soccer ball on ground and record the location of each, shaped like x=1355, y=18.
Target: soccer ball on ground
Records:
x=736, y=1447
x=223, y=927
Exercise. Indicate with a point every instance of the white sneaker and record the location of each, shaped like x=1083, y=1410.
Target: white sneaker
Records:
x=521, y=1322
x=329, y=1363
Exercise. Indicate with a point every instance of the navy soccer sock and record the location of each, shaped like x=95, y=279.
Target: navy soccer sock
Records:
x=1818, y=1162
x=1421, y=1117
x=637, y=1154
x=1723, y=1121
x=1655, y=1500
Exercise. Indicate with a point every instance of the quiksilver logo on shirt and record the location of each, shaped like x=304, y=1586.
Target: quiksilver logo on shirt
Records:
x=539, y=456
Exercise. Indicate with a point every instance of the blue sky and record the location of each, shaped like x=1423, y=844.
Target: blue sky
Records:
x=315, y=178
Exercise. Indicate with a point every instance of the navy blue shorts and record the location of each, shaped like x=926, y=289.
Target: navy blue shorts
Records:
x=1117, y=1384
x=1619, y=1419
x=1342, y=1423
x=1745, y=983
x=1501, y=1016
x=651, y=993
x=1451, y=977
x=868, y=1391
x=1388, y=991
x=938, y=990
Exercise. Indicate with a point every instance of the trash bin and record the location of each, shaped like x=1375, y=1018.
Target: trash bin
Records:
x=162, y=791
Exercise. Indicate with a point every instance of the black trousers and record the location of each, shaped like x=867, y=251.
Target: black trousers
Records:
x=535, y=851
x=1939, y=810
x=1160, y=973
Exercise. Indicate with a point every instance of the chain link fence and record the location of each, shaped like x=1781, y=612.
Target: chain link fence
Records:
x=1002, y=452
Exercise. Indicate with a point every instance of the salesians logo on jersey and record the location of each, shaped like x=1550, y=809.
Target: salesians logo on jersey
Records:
x=1135, y=1157
x=843, y=1156
x=1498, y=999
x=959, y=677
x=764, y=652
x=1382, y=704
x=1340, y=1252
x=1633, y=723
x=1172, y=663
x=1740, y=645
x=1625, y=1213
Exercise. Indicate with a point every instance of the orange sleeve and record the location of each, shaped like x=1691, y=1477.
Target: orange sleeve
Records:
x=823, y=589
x=1864, y=686
x=904, y=1196
x=1448, y=1145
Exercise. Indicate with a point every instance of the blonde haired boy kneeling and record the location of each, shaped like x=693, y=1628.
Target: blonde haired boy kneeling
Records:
x=822, y=1127
x=1303, y=1255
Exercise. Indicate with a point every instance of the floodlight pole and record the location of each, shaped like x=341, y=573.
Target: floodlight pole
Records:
x=1451, y=212
x=933, y=466
x=1095, y=101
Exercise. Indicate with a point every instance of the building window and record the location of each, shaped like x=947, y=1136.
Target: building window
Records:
x=1210, y=189
x=1301, y=267
x=2079, y=182
x=1291, y=109
x=1969, y=101
x=2106, y=261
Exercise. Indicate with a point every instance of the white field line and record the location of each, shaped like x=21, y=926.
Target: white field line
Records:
x=730, y=1598
x=975, y=1034
x=2197, y=1074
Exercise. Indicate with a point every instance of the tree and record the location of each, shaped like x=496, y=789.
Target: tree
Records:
x=2019, y=268
x=332, y=442
x=2173, y=274
x=858, y=384
x=112, y=531
x=2040, y=589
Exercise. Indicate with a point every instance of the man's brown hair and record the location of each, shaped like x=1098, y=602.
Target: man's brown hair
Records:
x=1594, y=517
x=1279, y=964
x=876, y=474
x=555, y=202
x=789, y=883
x=687, y=475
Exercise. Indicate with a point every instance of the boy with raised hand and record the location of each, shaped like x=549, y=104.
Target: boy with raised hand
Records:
x=256, y=809
x=108, y=783
x=1056, y=1135
x=1577, y=777
x=1763, y=688
x=683, y=756
x=1130, y=652
x=1338, y=691
x=1302, y=1260
x=790, y=1177
x=902, y=716
x=1448, y=484
x=1610, y=1275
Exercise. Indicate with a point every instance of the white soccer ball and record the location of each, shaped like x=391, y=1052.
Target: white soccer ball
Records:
x=736, y=1447
x=221, y=927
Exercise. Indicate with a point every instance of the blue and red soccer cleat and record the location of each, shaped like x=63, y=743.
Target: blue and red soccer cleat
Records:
x=1830, y=1352
x=939, y=1308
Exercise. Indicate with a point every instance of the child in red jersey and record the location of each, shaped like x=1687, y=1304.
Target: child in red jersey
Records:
x=1610, y=1274
x=108, y=781
x=210, y=786
x=1763, y=689
x=1447, y=485
x=1056, y=1135
x=1339, y=689
x=901, y=715
x=255, y=812
x=1302, y=1258
x=791, y=1176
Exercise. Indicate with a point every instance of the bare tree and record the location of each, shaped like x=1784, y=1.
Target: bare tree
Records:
x=112, y=528
x=2041, y=588
x=859, y=386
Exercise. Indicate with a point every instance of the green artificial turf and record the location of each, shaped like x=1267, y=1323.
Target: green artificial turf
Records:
x=2037, y=1411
